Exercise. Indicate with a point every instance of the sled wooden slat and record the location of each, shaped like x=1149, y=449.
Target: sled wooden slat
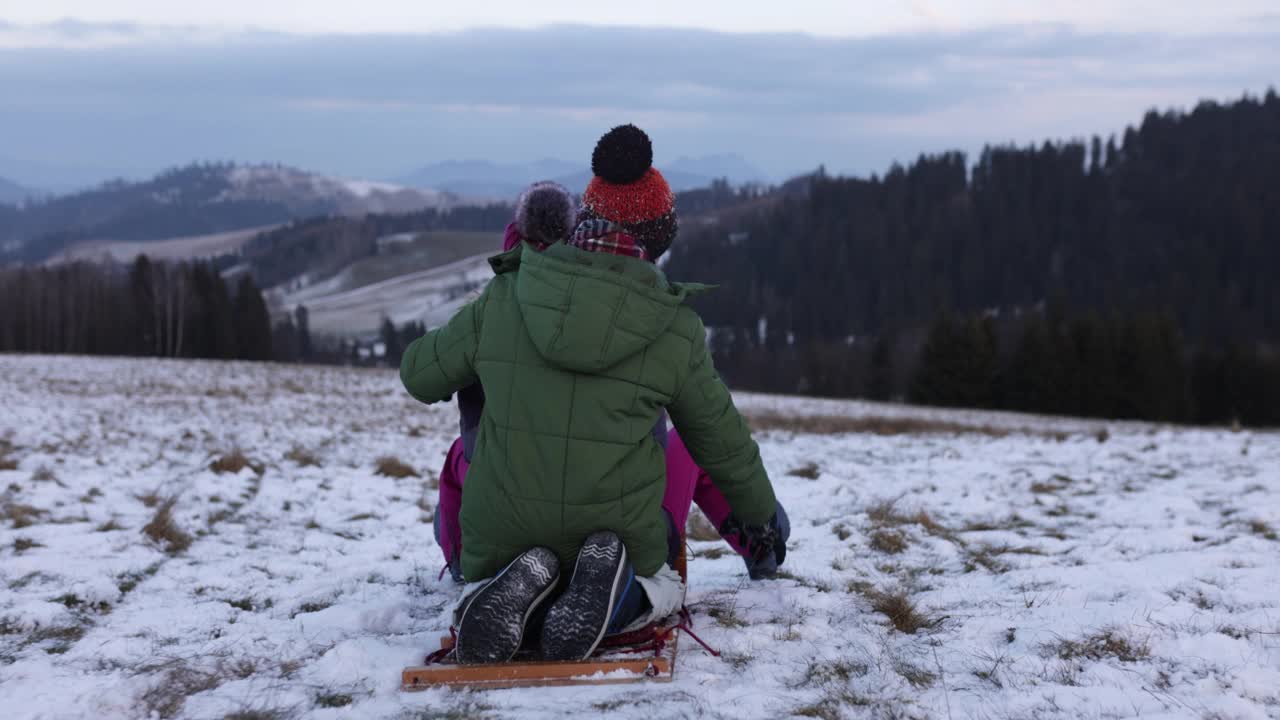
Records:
x=605, y=670
x=599, y=671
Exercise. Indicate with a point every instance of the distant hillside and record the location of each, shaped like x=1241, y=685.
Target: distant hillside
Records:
x=482, y=179
x=195, y=200
x=316, y=249
x=11, y=193
x=1135, y=254
x=189, y=247
x=415, y=267
x=426, y=281
x=308, y=251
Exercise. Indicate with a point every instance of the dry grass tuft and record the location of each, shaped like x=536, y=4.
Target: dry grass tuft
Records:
x=150, y=499
x=808, y=471
x=918, y=677
x=699, y=528
x=311, y=607
x=833, y=677
x=1057, y=483
x=19, y=515
x=984, y=558
x=6, y=462
x=1262, y=529
x=1013, y=550
x=459, y=707
x=44, y=474
x=832, y=704
x=60, y=638
x=302, y=456
x=392, y=467
x=820, y=424
x=727, y=617
x=712, y=553
x=23, y=544
x=128, y=581
x=904, y=614
x=840, y=671
x=1013, y=522
x=888, y=541
x=886, y=514
x=1106, y=643
x=165, y=532
x=333, y=700
x=233, y=462
x=255, y=715
x=166, y=697
x=931, y=526
x=109, y=526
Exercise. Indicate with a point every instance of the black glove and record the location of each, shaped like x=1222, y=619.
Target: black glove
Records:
x=765, y=545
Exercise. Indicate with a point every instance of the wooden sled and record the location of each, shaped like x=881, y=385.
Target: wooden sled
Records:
x=610, y=666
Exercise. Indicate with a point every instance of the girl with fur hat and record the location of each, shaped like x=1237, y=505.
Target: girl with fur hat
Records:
x=545, y=213
x=580, y=346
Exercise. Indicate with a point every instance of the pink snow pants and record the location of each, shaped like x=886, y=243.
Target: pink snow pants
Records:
x=686, y=484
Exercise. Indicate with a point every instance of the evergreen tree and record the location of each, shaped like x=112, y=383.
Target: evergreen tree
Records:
x=302, y=322
x=146, y=339
x=881, y=386
x=936, y=376
x=390, y=341
x=150, y=309
x=284, y=340
x=252, y=321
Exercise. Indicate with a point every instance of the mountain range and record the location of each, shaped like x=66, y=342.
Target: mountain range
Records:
x=481, y=179
x=12, y=193
x=196, y=200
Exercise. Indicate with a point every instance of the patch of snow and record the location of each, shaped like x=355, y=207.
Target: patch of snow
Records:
x=365, y=188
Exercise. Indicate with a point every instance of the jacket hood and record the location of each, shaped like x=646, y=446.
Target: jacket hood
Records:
x=586, y=311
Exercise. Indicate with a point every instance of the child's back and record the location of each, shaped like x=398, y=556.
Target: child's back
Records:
x=578, y=353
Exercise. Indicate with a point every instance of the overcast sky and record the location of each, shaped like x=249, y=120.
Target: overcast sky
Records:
x=378, y=88
x=823, y=17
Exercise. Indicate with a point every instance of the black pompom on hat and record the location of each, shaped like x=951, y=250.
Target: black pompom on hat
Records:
x=622, y=155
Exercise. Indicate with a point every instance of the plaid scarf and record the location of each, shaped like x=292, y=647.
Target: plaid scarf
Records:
x=602, y=236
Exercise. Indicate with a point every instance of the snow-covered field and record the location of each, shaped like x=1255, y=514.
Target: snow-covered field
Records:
x=179, y=248
x=431, y=295
x=959, y=565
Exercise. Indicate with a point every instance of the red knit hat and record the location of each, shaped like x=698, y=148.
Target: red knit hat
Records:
x=629, y=191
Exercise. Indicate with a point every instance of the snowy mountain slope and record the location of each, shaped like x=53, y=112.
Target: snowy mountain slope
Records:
x=1055, y=572
x=196, y=200
x=180, y=248
x=431, y=296
x=290, y=186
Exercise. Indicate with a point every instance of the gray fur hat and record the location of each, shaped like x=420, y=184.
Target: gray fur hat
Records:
x=545, y=213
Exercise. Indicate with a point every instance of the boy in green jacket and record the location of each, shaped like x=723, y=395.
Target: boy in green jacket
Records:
x=579, y=348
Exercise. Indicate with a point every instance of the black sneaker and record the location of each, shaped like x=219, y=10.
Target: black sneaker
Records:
x=579, y=618
x=492, y=621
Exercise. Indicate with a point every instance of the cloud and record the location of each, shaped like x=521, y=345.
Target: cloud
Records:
x=381, y=104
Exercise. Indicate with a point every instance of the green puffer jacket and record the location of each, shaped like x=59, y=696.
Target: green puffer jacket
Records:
x=578, y=353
